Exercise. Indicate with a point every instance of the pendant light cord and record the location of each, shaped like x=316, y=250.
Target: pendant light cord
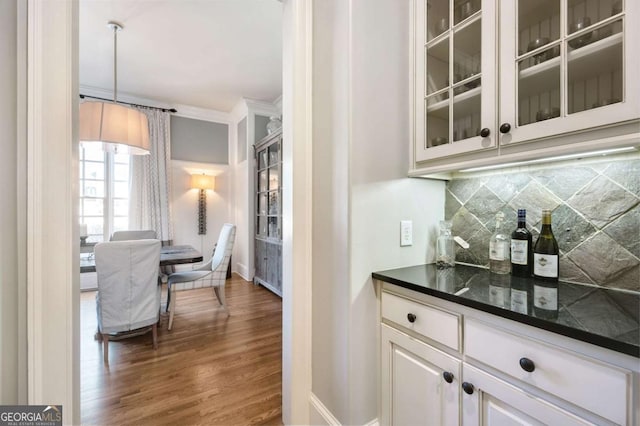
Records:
x=115, y=27
x=115, y=64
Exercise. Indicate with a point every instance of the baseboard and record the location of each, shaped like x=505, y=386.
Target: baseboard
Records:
x=373, y=422
x=243, y=271
x=319, y=414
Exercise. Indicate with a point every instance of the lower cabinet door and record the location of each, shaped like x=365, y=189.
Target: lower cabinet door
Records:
x=420, y=384
x=487, y=400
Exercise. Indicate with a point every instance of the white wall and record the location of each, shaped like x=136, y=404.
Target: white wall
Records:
x=184, y=205
x=381, y=195
x=244, y=182
x=241, y=264
x=361, y=116
x=330, y=239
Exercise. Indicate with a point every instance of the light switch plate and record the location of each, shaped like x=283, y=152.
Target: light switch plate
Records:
x=406, y=233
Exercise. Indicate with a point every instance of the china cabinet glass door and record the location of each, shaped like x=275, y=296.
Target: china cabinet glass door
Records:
x=564, y=68
x=268, y=238
x=455, y=76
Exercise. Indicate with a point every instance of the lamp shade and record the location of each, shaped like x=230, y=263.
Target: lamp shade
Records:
x=202, y=181
x=119, y=128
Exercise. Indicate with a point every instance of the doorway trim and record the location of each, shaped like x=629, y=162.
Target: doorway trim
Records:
x=52, y=242
x=297, y=209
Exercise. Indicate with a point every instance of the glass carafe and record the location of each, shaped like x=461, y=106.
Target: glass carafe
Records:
x=445, y=249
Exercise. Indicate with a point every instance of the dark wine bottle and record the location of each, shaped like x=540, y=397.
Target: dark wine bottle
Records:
x=521, y=248
x=546, y=271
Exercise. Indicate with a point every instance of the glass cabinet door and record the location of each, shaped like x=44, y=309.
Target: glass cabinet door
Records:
x=268, y=191
x=563, y=69
x=268, y=235
x=455, y=77
x=594, y=74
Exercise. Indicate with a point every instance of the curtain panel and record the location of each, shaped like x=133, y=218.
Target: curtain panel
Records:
x=150, y=192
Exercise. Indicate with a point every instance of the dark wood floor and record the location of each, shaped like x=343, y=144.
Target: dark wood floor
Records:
x=208, y=370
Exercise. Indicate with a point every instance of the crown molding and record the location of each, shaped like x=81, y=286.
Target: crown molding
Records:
x=278, y=103
x=239, y=111
x=262, y=108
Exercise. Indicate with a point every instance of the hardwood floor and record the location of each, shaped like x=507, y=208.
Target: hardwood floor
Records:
x=208, y=370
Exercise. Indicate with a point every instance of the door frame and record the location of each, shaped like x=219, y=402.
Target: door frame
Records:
x=296, y=209
x=50, y=32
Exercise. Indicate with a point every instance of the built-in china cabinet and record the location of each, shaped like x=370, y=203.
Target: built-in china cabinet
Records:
x=268, y=218
x=509, y=78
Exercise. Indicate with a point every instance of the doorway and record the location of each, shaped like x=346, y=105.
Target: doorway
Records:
x=53, y=367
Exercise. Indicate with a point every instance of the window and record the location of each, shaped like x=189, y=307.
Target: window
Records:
x=104, y=192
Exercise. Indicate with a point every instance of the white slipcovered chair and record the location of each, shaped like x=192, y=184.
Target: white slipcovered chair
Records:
x=215, y=270
x=128, y=295
x=147, y=234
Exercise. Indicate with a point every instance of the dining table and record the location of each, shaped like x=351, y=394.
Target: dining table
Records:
x=169, y=255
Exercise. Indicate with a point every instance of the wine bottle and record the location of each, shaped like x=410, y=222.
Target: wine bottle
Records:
x=545, y=252
x=499, y=249
x=521, y=248
x=545, y=271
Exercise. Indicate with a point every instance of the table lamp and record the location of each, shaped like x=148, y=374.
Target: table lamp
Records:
x=83, y=233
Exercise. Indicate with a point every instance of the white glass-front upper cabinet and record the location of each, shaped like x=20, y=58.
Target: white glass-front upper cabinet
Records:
x=567, y=66
x=455, y=92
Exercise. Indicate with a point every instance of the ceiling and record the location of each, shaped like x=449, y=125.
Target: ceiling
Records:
x=201, y=53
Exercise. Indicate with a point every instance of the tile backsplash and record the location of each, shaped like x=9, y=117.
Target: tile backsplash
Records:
x=595, y=215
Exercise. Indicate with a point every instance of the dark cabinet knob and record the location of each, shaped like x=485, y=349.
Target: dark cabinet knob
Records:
x=505, y=128
x=527, y=365
x=411, y=317
x=467, y=387
x=448, y=377
x=485, y=132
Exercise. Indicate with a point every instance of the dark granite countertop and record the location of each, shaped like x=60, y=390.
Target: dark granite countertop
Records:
x=603, y=317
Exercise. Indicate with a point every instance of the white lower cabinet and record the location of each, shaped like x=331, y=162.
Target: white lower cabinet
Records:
x=487, y=400
x=496, y=377
x=421, y=384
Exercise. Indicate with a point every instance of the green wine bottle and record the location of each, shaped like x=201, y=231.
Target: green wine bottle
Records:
x=546, y=262
x=546, y=271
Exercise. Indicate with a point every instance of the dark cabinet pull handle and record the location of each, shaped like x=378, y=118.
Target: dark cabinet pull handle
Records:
x=448, y=377
x=527, y=365
x=411, y=317
x=467, y=387
x=485, y=132
x=505, y=128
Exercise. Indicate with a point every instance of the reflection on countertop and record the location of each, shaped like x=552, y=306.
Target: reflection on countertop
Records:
x=604, y=317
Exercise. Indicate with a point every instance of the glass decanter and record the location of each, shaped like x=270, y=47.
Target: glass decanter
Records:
x=445, y=249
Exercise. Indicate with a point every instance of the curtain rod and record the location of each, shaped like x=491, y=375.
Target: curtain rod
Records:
x=173, y=110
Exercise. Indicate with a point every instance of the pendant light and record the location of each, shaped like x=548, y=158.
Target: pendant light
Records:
x=117, y=127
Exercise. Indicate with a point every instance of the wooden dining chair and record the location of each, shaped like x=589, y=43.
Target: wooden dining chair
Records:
x=215, y=272
x=128, y=295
